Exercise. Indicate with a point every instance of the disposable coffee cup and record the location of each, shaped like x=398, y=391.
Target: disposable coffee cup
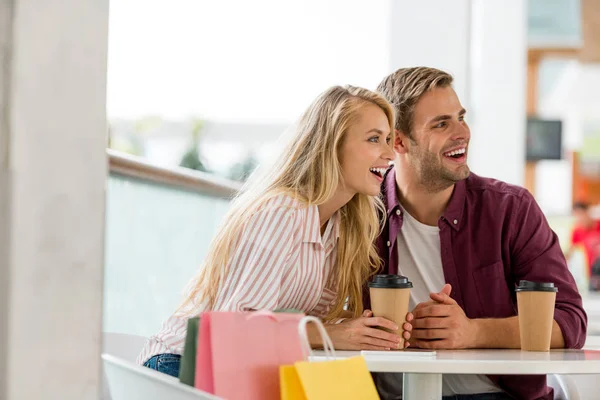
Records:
x=390, y=295
x=535, y=301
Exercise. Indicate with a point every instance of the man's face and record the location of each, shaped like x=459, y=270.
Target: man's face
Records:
x=440, y=138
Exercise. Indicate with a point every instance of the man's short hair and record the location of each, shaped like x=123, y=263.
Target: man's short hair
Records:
x=580, y=205
x=406, y=86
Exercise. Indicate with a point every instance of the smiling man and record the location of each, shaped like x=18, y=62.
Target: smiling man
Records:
x=464, y=241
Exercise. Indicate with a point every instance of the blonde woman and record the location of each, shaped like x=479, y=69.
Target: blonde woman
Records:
x=301, y=236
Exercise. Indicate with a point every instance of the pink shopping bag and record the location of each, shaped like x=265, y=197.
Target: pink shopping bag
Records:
x=239, y=353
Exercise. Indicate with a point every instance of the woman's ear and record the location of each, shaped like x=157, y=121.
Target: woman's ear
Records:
x=400, y=142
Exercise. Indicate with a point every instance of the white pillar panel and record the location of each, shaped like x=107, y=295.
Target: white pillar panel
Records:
x=52, y=178
x=432, y=33
x=498, y=87
x=5, y=42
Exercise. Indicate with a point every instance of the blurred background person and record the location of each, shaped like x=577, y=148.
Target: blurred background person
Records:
x=586, y=234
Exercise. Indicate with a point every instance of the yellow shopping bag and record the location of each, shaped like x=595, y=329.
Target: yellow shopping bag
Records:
x=333, y=379
x=289, y=384
x=328, y=380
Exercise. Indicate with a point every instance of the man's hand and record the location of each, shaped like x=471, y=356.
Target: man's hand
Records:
x=364, y=333
x=436, y=298
x=441, y=324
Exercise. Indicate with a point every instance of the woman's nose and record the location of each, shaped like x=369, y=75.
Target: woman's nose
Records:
x=388, y=152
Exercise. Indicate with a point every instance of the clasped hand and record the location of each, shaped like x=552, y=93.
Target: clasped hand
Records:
x=442, y=324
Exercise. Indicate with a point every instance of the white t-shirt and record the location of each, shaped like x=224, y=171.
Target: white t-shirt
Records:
x=420, y=260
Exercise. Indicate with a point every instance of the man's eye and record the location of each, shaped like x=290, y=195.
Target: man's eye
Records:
x=461, y=118
x=441, y=125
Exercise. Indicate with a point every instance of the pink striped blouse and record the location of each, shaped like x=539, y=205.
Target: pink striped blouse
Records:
x=280, y=261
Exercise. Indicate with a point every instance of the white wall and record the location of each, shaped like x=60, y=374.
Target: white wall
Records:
x=52, y=178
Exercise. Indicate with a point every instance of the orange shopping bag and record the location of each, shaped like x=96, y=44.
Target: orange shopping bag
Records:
x=341, y=379
x=239, y=353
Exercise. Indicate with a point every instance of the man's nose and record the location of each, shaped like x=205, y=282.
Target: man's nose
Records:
x=462, y=132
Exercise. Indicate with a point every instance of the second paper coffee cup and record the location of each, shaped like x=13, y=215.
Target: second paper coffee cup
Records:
x=535, y=302
x=390, y=296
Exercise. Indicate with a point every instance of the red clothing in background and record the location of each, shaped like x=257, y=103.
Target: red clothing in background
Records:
x=589, y=238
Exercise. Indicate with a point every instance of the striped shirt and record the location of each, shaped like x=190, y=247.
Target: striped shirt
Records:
x=279, y=261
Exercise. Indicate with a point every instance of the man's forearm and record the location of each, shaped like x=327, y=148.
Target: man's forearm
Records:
x=503, y=333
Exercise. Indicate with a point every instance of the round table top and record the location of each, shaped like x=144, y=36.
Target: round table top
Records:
x=491, y=362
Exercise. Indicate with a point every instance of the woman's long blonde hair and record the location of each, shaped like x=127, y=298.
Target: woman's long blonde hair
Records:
x=308, y=169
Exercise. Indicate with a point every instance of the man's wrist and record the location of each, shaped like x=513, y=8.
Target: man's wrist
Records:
x=496, y=333
x=478, y=333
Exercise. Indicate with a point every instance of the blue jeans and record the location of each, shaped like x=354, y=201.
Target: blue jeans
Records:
x=481, y=396
x=165, y=363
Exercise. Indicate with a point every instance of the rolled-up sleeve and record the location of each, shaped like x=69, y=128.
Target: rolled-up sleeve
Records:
x=537, y=256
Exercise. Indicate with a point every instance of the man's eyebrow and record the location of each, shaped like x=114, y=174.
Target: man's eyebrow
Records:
x=440, y=118
x=447, y=117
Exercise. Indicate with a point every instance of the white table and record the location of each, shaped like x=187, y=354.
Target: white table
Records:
x=423, y=375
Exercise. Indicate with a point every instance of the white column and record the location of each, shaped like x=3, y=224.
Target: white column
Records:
x=498, y=71
x=6, y=8
x=52, y=179
x=470, y=39
x=432, y=33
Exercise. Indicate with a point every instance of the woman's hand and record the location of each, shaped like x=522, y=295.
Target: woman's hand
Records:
x=364, y=333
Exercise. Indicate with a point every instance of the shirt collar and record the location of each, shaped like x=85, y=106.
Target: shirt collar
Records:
x=390, y=193
x=312, y=231
x=454, y=212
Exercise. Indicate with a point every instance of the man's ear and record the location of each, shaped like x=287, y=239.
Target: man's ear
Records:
x=400, y=142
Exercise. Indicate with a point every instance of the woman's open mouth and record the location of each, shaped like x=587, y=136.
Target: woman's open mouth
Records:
x=378, y=172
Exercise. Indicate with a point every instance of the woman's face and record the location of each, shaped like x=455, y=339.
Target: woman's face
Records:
x=366, y=152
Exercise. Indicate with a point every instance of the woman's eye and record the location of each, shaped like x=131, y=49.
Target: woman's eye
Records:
x=374, y=139
x=388, y=140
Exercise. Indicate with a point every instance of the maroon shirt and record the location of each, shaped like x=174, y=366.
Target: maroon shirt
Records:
x=493, y=235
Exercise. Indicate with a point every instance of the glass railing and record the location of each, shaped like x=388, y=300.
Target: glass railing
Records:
x=159, y=223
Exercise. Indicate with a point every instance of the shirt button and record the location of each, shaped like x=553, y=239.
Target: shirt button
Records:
x=455, y=221
x=398, y=212
x=388, y=243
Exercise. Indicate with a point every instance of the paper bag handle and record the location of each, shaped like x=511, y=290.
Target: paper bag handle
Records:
x=327, y=343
